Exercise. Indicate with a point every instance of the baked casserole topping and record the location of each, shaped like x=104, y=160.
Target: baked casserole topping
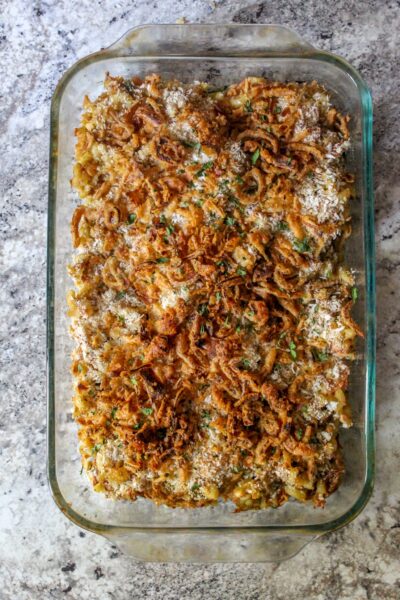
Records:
x=211, y=306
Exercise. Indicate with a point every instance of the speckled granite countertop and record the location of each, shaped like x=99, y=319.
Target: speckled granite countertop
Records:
x=42, y=555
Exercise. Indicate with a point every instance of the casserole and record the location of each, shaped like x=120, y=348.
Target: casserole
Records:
x=220, y=55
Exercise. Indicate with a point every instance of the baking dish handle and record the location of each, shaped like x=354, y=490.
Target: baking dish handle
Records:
x=209, y=547
x=210, y=40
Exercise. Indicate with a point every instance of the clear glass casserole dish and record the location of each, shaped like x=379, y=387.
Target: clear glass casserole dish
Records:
x=218, y=54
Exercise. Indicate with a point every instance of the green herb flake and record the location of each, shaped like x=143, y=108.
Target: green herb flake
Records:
x=245, y=363
x=195, y=487
x=120, y=295
x=320, y=355
x=204, y=168
x=146, y=411
x=202, y=309
x=354, y=294
x=302, y=246
x=277, y=110
x=242, y=272
x=240, y=180
x=218, y=296
x=202, y=329
x=80, y=368
x=255, y=156
x=96, y=448
x=282, y=226
x=133, y=381
x=137, y=425
x=162, y=259
x=292, y=350
x=195, y=145
x=114, y=412
x=121, y=319
x=131, y=218
x=238, y=329
x=170, y=229
x=206, y=415
x=299, y=434
x=248, y=107
x=230, y=221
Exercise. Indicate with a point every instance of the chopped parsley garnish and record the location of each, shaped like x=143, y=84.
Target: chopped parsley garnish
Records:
x=195, y=145
x=289, y=160
x=80, y=368
x=319, y=355
x=242, y=272
x=120, y=295
x=133, y=381
x=277, y=110
x=204, y=168
x=230, y=221
x=162, y=259
x=245, y=363
x=251, y=313
x=131, y=218
x=240, y=180
x=255, y=156
x=218, y=296
x=354, y=294
x=206, y=415
x=238, y=328
x=170, y=229
x=202, y=309
x=195, y=487
x=96, y=448
x=180, y=171
x=121, y=319
x=302, y=246
x=202, y=329
x=282, y=226
x=292, y=350
x=114, y=412
x=146, y=410
x=248, y=107
x=299, y=434
x=137, y=425
x=235, y=202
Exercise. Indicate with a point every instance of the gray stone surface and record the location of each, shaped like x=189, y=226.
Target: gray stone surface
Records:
x=44, y=556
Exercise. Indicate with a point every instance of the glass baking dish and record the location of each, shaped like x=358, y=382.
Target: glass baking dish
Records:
x=219, y=54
